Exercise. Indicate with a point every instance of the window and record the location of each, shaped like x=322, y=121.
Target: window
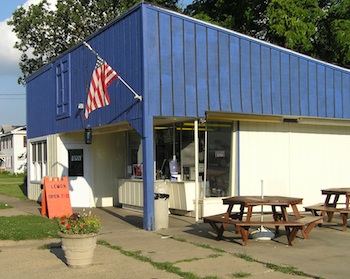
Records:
x=63, y=88
x=76, y=162
x=214, y=154
x=24, y=141
x=38, y=160
x=6, y=142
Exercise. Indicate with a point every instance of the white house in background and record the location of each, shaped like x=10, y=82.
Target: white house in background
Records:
x=13, y=148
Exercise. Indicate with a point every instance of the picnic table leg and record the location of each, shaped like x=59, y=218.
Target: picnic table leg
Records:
x=249, y=213
x=241, y=211
x=291, y=234
x=296, y=211
x=214, y=226
x=228, y=212
x=333, y=204
x=219, y=231
x=284, y=213
x=344, y=217
x=244, y=233
x=305, y=230
x=276, y=217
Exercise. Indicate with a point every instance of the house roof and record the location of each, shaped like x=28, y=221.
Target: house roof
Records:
x=9, y=129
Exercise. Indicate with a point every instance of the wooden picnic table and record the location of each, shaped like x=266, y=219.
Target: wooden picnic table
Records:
x=333, y=204
x=243, y=218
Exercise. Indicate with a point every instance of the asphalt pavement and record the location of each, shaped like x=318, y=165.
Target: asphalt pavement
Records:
x=185, y=250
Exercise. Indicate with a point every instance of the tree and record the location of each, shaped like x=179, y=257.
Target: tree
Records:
x=244, y=16
x=319, y=28
x=334, y=40
x=43, y=33
x=293, y=24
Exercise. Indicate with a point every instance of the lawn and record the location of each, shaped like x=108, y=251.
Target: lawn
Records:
x=24, y=226
x=13, y=185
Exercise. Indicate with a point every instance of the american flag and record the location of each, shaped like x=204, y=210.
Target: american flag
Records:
x=102, y=77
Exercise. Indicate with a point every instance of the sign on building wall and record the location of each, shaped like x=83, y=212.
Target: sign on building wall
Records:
x=76, y=162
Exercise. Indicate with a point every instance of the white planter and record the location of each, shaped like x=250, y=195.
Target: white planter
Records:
x=78, y=249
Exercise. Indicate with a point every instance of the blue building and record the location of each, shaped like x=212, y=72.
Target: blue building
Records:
x=221, y=113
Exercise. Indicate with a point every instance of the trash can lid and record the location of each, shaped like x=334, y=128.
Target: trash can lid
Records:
x=161, y=188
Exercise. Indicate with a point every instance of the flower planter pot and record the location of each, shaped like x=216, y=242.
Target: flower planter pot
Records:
x=78, y=249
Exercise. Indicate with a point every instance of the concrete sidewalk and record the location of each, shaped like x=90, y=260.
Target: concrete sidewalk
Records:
x=190, y=251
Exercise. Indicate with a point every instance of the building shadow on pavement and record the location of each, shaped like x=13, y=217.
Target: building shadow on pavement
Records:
x=56, y=249
x=135, y=220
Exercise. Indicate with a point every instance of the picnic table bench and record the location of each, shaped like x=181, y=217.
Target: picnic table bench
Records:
x=331, y=205
x=304, y=224
x=321, y=210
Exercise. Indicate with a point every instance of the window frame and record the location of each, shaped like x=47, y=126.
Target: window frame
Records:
x=63, y=87
x=38, y=166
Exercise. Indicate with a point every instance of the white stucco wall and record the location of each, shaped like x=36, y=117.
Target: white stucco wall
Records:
x=80, y=187
x=293, y=159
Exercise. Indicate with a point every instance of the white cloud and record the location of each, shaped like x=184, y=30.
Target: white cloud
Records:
x=9, y=56
x=30, y=2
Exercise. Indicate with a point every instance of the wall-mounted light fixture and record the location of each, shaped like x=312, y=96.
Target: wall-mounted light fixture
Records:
x=88, y=135
x=290, y=120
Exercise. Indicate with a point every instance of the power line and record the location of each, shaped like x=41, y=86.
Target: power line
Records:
x=12, y=94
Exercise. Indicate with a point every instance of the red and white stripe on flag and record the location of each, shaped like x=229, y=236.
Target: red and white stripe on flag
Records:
x=102, y=77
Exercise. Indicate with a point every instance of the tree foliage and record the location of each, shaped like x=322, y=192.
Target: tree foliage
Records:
x=244, y=16
x=334, y=39
x=43, y=32
x=320, y=28
x=293, y=24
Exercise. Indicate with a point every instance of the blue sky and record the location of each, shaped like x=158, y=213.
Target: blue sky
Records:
x=12, y=95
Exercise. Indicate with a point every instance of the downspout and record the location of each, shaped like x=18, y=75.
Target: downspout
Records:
x=196, y=167
x=238, y=160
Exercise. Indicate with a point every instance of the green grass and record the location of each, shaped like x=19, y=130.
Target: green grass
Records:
x=25, y=227
x=166, y=266
x=13, y=185
x=241, y=274
x=4, y=205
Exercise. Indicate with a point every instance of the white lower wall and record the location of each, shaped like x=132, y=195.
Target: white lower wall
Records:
x=293, y=159
x=181, y=194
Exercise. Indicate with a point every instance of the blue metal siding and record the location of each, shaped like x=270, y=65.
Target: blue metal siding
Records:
x=235, y=74
x=187, y=67
x=312, y=88
x=200, y=101
x=40, y=111
x=266, y=76
x=120, y=45
x=256, y=77
x=195, y=67
x=224, y=67
x=346, y=97
x=275, y=97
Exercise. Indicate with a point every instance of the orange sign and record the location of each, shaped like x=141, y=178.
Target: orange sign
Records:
x=55, y=198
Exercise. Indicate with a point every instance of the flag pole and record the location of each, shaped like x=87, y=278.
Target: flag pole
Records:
x=91, y=49
x=137, y=96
